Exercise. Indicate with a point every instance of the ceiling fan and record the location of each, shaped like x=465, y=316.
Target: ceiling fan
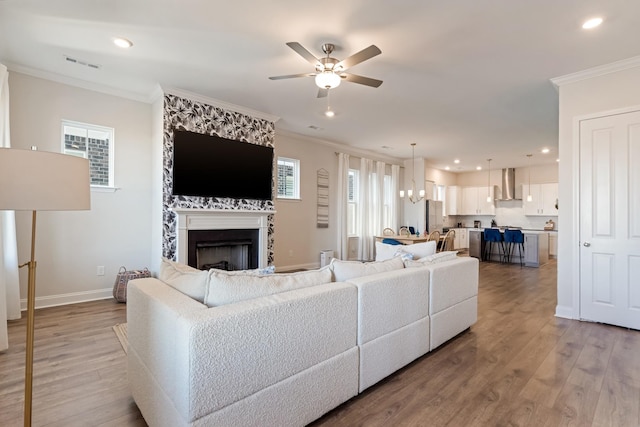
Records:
x=330, y=71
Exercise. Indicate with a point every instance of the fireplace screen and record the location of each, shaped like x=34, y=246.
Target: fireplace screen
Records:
x=223, y=255
x=223, y=249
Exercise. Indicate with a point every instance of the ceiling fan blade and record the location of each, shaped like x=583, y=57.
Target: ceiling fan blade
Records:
x=367, y=81
x=304, y=53
x=292, y=76
x=323, y=93
x=357, y=58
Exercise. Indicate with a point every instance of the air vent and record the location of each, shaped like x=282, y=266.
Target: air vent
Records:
x=79, y=62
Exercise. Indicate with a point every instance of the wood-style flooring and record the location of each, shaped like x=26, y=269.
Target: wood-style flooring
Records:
x=517, y=366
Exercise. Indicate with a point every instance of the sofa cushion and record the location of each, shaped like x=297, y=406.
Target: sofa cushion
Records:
x=345, y=270
x=227, y=287
x=420, y=250
x=188, y=280
x=431, y=259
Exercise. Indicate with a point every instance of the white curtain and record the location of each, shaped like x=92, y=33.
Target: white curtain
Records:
x=395, y=202
x=343, y=205
x=365, y=201
x=9, y=283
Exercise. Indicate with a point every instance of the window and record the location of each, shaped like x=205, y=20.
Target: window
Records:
x=352, y=201
x=94, y=143
x=288, y=178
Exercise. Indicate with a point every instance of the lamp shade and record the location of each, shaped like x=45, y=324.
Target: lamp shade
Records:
x=43, y=181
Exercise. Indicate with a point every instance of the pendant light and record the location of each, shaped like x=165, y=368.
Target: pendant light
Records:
x=529, y=198
x=489, y=182
x=412, y=190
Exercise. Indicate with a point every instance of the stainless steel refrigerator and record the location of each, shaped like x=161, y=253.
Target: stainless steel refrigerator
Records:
x=434, y=215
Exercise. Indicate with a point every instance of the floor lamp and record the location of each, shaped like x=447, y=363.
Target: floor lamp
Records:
x=34, y=181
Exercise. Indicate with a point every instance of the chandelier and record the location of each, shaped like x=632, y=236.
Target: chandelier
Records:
x=411, y=192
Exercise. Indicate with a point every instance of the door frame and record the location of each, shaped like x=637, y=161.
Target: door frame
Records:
x=575, y=228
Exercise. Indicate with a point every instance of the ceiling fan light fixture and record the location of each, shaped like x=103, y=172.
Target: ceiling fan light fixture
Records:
x=327, y=80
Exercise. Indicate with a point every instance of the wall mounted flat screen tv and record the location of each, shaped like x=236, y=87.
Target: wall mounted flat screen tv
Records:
x=211, y=166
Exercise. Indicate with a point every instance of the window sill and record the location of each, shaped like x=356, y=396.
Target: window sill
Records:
x=101, y=189
x=287, y=199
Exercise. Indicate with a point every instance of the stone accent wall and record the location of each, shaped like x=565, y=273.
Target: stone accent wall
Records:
x=182, y=113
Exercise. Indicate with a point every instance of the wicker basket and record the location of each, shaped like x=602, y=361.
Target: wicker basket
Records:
x=123, y=277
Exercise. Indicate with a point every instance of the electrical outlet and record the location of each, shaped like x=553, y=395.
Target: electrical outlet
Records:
x=100, y=270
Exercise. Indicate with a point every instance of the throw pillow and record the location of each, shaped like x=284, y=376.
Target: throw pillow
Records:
x=227, y=287
x=385, y=251
x=188, y=280
x=419, y=250
x=345, y=270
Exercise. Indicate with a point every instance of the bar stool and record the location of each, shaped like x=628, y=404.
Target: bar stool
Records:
x=514, y=238
x=491, y=236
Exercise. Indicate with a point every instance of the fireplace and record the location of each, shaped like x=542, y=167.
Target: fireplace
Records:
x=244, y=232
x=235, y=249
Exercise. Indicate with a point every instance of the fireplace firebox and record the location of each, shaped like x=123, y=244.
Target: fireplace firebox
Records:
x=233, y=249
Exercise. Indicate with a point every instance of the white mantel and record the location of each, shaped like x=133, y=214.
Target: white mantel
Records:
x=221, y=219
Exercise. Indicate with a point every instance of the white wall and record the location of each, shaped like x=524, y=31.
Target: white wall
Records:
x=116, y=231
x=590, y=96
x=298, y=241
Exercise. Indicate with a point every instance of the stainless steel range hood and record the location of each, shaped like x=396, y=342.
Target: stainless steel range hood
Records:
x=508, y=185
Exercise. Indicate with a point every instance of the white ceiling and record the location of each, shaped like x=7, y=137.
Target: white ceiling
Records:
x=463, y=79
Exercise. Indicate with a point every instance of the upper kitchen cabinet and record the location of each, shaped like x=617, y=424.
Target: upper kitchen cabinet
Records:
x=454, y=201
x=474, y=201
x=544, y=199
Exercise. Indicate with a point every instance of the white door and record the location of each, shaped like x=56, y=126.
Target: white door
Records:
x=610, y=219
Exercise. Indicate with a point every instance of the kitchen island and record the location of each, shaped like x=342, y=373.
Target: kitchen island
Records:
x=536, y=247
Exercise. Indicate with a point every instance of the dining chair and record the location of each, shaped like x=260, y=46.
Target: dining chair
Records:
x=388, y=232
x=449, y=241
x=434, y=236
x=404, y=231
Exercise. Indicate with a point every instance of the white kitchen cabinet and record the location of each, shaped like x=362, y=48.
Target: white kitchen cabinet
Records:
x=544, y=199
x=462, y=239
x=553, y=245
x=474, y=201
x=454, y=200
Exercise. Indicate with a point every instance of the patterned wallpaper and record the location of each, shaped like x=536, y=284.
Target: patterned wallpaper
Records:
x=183, y=113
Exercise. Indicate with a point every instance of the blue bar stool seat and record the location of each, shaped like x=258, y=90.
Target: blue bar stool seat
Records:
x=492, y=236
x=514, y=238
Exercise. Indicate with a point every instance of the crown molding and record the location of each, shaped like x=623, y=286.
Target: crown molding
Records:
x=82, y=84
x=600, y=70
x=221, y=104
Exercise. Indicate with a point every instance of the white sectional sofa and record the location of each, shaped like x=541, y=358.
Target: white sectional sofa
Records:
x=287, y=358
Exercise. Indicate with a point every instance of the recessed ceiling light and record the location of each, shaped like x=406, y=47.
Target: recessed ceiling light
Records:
x=122, y=42
x=545, y=150
x=592, y=23
x=447, y=168
x=478, y=168
x=456, y=161
x=557, y=160
x=329, y=113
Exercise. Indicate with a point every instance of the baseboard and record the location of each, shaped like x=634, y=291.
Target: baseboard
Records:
x=309, y=266
x=565, y=312
x=71, y=298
